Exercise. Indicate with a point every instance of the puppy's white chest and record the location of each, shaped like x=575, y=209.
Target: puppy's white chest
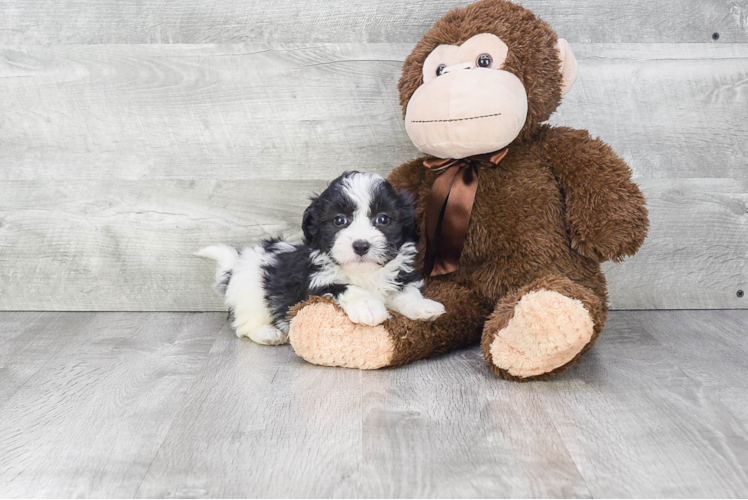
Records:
x=379, y=282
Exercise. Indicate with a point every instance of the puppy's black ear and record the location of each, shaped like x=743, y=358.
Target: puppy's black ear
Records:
x=309, y=221
x=408, y=210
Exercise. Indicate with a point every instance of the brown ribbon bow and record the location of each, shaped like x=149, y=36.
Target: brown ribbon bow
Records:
x=449, y=207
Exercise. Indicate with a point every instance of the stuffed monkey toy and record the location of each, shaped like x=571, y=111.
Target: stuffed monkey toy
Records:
x=515, y=215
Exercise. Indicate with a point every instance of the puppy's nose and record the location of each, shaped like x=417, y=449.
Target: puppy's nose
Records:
x=361, y=247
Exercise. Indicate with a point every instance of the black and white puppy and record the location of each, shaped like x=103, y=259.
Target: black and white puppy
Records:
x=360, y=249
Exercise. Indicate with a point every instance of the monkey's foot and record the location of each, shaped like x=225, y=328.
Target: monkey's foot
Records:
x=322, y=334
x=541, y=335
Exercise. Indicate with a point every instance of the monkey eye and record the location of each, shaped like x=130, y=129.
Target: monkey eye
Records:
x=382, y=220
x=484, y=61
x=340, y=221
x=440, y=69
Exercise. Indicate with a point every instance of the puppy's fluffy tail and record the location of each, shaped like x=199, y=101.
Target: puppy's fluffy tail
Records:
x=223, y=254
x=226, y=257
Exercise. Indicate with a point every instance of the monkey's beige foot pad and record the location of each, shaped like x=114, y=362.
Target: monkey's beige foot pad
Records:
x=547, y=331
x=322, y=334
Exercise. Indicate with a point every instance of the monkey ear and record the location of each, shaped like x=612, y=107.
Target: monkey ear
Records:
x=569, y=67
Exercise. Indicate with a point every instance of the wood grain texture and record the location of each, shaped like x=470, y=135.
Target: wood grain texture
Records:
x=638, y=424
x=200, y=112
x=128, y=245
x=229, y=21
x=475, y=437
x=173, y=405
x=263, y=423
x=91, y=418
x=29, y=341
x=309, y=111
x=711, y=351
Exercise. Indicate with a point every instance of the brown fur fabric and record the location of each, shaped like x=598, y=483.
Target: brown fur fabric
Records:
x=560, y=203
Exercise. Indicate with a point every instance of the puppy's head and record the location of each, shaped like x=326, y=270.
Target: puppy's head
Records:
x=360, y=220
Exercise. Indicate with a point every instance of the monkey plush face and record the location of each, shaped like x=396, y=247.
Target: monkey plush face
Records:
x=481, y=77
x=468, y=103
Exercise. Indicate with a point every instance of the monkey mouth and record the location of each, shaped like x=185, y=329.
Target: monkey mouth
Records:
x=456, y=119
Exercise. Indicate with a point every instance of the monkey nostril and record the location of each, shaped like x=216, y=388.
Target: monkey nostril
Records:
x=361, y=247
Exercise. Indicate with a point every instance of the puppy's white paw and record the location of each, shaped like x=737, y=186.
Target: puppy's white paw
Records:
x=266, y=335
x=369, y=312
x=423, y=309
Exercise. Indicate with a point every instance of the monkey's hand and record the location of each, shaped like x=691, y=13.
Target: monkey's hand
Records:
x=606, y=212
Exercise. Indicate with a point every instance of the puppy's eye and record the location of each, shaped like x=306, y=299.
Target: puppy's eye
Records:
x=382, y=220
x=484, y=61
x=340, y=221
x=440, y=69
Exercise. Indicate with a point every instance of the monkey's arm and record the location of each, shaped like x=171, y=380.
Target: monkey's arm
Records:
x=605, y=210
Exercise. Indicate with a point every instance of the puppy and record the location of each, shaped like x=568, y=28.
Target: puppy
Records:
x=359, y=248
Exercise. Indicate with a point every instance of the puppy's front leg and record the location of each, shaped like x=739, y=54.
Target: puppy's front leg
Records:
x=362, y=306
x=410, y=303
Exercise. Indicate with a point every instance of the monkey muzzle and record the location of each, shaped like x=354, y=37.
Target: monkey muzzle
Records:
x=466, y=111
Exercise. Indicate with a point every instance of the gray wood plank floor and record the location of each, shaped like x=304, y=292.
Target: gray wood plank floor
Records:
x=173, y=405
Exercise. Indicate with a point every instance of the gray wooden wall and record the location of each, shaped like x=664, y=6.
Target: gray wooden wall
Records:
x=134, y=132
